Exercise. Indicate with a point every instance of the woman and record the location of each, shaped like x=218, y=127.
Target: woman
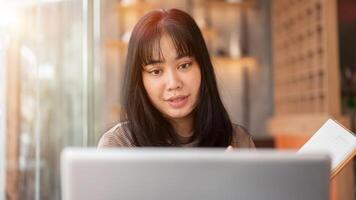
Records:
x=170, y=91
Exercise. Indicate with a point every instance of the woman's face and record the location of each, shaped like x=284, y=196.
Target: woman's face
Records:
x=173, y=82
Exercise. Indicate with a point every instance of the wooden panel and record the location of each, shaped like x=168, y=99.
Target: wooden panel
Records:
x=290, y=141
x=332, y=80
x=306, y=77
x=301, y=124
x=343, y=185
x=305, y=57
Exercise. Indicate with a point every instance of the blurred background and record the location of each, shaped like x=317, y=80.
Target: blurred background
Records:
x=283, y=68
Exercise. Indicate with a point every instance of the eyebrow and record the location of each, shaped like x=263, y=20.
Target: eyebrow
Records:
x=152, y=62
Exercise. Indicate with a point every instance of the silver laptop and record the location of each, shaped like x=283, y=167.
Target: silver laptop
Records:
x=193, y=174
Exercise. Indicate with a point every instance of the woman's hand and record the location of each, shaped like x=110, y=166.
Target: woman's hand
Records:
x=229, y=149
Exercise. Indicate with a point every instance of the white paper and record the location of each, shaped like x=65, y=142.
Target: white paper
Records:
x=333, y=139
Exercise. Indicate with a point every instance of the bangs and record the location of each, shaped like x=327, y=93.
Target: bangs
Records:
x=149, y=49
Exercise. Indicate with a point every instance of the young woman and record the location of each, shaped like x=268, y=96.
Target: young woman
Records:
x=170, y=91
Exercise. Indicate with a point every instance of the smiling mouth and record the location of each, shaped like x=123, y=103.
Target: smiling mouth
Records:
x=178, y=101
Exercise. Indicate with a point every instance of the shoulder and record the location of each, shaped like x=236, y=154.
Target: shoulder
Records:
x=241, y=138
x=118, y=136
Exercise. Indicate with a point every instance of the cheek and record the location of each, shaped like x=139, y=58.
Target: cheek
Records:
x=152, y=87
x=195, y=80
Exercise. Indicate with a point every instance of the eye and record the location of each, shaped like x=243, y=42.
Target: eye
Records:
x=184, y=65
x=155, y=72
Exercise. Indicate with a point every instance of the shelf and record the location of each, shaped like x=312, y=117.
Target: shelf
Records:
x=249, y=62
x=243, y=4
x=116, y=44
x=133, y=7
x=208, y=33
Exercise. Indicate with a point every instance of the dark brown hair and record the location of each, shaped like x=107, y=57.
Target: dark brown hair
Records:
x=212, y=126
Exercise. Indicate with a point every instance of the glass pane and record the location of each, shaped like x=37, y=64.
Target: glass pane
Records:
x=2, y=109
x=61, y=84
x=44, y=55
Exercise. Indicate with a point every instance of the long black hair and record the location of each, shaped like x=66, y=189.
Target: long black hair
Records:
x=212, y=126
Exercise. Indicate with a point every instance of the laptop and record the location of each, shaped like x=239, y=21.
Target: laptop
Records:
x=194, y=174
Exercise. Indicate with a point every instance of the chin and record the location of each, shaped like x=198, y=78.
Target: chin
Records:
x=178, y=114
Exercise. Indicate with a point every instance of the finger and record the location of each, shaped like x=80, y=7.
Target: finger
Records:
x=229, y=149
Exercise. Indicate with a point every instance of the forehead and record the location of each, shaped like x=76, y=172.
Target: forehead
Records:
x=165, y=50
x=164, y=45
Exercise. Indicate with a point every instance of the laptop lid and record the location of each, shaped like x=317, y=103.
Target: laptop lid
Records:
x=206, y=174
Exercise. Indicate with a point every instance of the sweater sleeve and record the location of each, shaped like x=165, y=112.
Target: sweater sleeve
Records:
x=241, y=138
x=118, y=136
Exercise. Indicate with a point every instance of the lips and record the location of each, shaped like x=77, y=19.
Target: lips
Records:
x=177, y=101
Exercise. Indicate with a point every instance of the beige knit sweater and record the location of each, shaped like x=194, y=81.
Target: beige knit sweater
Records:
x=119, y=136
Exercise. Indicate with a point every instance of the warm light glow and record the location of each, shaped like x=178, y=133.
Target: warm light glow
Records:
x=8, y=17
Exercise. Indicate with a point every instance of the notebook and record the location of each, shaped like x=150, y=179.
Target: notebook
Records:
x=337, y=141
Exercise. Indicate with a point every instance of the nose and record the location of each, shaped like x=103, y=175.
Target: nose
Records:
x=173, y=80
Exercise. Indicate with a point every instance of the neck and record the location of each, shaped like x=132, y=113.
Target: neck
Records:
x=183, y=126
